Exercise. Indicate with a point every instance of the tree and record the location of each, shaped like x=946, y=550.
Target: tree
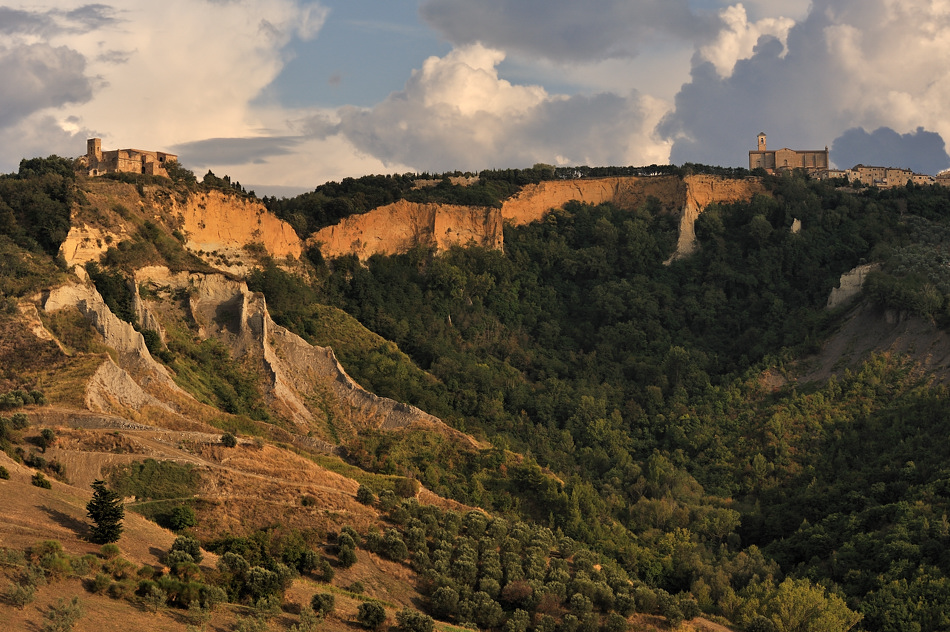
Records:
x=323, y=603
x=189, y=546
x=414, y=621
x=46, y=439
x=365, y=496
x=106, y=511
x=371, y=615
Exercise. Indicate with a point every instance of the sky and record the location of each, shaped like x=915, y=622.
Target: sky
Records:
x=284, y=95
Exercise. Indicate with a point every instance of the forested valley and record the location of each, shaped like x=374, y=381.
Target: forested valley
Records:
x=639, y=386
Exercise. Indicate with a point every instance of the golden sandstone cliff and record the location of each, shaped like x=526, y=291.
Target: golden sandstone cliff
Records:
x=221, y=227
x=397, y=227
x=218, y=221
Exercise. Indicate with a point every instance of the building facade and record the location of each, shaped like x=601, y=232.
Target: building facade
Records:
x=785, y=158
x=98, y=162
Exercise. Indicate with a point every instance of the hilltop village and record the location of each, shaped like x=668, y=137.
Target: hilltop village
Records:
x=97, y=162
x=816, y=162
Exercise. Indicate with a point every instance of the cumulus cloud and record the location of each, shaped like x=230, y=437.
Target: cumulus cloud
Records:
x=567, y=30
x=921, y=151
x=868, y=63
x=739, y=36
x=39, y=76
x=455, y=112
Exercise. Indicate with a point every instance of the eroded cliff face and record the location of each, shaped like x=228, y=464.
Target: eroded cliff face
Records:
x=396, y=228
x=223, y=229
x=535, y=200
x=701, y=191
x=303, y=383
x=215, y=221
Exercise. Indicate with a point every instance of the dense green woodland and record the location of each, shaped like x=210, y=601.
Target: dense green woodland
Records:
x=637, y=384
x=624, y=399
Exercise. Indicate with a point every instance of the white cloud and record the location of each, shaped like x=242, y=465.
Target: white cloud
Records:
x=161, y=73
x=457, y=113
x=739, y=36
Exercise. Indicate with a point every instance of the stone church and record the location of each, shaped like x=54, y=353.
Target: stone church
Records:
x=781, y=159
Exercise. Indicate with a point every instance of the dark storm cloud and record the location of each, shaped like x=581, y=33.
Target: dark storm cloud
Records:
x=567, y=30
x=921, y=151
x=234, y=151
x=716, y=118
x=849, y=63
x=40, y=76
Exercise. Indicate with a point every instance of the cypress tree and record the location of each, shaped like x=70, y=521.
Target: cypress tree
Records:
x=106, y=510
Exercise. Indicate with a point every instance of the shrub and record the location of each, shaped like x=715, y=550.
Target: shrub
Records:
x=228, y=440
x=62, y=616
x=179, y=518
x=86, y=564
x=323, y=603
x=4, y=473
x=100, y=583
x=121, y=590
x=615, y=623
x=251, y=624
x=21, y=594
x=40, y=480
x=20, y=421
x=110, y=551
x=309, y=621
x=325, y=571
x=371, y=615
x=153, y=597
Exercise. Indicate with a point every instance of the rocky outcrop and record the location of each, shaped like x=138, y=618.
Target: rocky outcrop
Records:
x=305, y=381
x=850, y=285
x=86, y=243
x=117, y=386
x=398, y=227
x=701, y=191
x=216, y=221
x=118, y=334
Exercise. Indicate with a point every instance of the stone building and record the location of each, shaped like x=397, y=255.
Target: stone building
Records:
x=887, y=177
x=781, y=159
x=98, y=162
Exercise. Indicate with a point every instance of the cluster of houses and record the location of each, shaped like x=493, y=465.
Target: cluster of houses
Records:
x=816, y=162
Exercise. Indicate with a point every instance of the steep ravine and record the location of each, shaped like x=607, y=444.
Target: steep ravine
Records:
x=305, y=384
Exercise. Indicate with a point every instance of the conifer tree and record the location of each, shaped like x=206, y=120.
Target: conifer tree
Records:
x=106, y=510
